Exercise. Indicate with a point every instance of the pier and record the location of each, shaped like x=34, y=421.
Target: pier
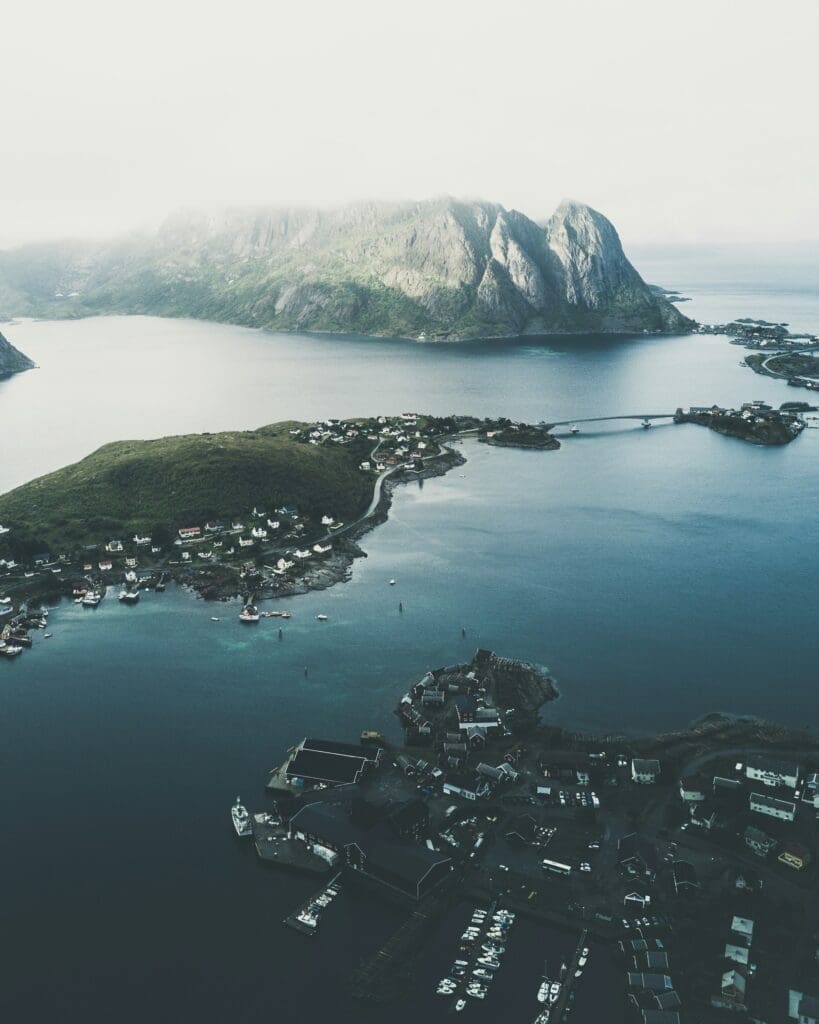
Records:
x=305, y=918
x=275, y=846
x=567, y=984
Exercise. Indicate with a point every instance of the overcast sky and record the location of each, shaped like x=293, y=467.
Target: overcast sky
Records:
x=682, y=122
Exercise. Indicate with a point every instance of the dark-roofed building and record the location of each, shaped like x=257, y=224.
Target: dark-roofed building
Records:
x=649, y=982
x=685, y=878
x=521, y=830
x=645, y=770
x=785, y=810
x=771, y=772
x=660, y=1017
x=808, y=1010
x=410, y=820
x=403, y=866
x=634, y=851
x=668, y=1000
x=326, y=762
x=758, y=841
x=651, y=960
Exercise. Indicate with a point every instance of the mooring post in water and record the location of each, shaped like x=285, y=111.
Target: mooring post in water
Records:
x=280, y=634
x=463, y=630
x=400, y=606
x=305, y=670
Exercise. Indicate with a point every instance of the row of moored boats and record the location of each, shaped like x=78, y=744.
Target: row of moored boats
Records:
x=483, y=945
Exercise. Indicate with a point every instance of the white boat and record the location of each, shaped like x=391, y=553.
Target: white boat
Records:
x=10, y=650
x=215, y=618
x=47, y=636
x=554, y=991
x=646, y=424
x=322, y=618
x=250, y=613
x=91, y=598
x=241, y=819
x=129, y=596
x=307, y=918
x=285, y=615
x=459, y=1005
x=574, y=429
x=543, y=991
x=392, y=583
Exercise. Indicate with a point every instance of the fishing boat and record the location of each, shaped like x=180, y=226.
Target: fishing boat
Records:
x=241, y=819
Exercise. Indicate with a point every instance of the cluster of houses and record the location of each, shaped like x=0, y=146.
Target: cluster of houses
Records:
x=773, y=791
x=396, y=440
x=738, y=967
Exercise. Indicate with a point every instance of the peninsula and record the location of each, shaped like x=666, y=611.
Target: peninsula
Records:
x=678, y=854
x=436, y=270
x=261, y=513
x=12, y=360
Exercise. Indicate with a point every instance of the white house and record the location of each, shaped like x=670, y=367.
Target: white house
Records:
x=259, y=533
x=785, y=810
x=327, y=520
x=246, y=542
x=114, y=546
x=772, y=773
x=645, y=770
x=141, y=541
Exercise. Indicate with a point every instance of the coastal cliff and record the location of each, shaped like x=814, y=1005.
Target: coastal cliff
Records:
x=12, y=360
x=436, y=270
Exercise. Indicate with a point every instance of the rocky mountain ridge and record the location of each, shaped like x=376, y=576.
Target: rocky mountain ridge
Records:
x=442, y=269
x=12, y=360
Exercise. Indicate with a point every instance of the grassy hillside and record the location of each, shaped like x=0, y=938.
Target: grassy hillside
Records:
x=158, y=486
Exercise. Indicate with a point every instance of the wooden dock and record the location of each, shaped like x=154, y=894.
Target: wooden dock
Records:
x=560, y=1007
x=295, y=921
x=274, y=846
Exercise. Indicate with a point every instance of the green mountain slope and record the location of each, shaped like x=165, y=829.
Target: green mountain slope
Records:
x=160, y=486
x=444, y=269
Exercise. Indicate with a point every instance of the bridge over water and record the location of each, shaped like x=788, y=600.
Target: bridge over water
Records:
x=604, y=419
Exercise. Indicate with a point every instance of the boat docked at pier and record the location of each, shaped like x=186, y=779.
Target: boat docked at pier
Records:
x=241, y=819
x=91, y=598
x=250, y=613
x=129, y=596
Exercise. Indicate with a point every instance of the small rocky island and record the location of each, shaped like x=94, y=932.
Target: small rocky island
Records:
x=755, y=422
x=12, y=360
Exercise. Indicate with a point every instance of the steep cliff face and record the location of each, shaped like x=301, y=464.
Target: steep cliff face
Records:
x=444, y=268
x=12, y=359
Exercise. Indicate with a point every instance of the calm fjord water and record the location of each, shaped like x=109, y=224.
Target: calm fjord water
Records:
x=661, y=574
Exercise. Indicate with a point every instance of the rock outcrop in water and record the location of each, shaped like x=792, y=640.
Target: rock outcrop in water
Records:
x=12, y=360
x=442, y=269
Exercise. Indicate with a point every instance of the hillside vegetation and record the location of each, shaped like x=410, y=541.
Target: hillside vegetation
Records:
x=442, y=269
x=158, y=486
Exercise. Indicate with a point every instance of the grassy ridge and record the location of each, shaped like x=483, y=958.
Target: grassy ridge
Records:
x=158, y=486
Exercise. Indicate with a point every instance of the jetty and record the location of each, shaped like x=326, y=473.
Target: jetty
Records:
x=305, y=918
x=274, y=846
x=568, y=983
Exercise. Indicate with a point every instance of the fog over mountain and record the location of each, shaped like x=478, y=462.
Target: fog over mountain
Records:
x=441, y=269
